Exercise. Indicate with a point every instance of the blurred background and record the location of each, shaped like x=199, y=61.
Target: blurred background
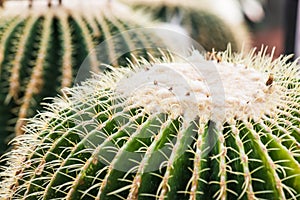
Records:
x=268, y=29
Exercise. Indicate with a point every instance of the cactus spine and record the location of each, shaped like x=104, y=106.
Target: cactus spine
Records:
x=102, y=142
x=41, y=52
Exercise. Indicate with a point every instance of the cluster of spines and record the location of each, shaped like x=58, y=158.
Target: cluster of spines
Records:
x=91, y=145
x=42, y=53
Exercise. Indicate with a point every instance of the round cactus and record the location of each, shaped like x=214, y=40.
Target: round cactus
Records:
x=222, y=128
x=42, y=49
x=202, y=24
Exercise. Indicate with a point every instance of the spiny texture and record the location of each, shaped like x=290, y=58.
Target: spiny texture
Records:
x=96, y=143
x=202, y=25
x=42, y=51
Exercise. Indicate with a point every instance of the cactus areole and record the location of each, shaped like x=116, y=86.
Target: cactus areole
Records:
x=224, y=127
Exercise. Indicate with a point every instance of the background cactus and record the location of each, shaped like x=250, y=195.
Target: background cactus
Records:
x=42, y=49
x=202, y=24
x=105, y=140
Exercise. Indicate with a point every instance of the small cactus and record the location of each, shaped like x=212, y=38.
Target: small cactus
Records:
x=41, y=52
x=141, y=133
x=202, y=24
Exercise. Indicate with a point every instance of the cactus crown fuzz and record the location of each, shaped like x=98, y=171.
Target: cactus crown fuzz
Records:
x=202, y=85
x=161, y=130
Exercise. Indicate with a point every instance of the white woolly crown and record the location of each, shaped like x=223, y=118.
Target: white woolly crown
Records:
x=200, y=88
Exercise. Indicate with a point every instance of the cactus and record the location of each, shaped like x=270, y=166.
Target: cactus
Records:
x=41, y=52
x=136, y=133
x=201, y=23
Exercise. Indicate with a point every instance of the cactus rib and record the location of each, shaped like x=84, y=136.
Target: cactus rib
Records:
x=88, y=41
x=67, y=72
x=15, y=72
x=4, y=37
x=36, y=80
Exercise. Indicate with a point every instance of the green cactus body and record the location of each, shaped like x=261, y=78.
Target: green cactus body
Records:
x=42, y=51
x=202, y=24
x=111, y=139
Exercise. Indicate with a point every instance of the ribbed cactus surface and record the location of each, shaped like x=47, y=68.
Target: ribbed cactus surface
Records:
x=201, y=23
x=42, y=50
x=140, y=133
